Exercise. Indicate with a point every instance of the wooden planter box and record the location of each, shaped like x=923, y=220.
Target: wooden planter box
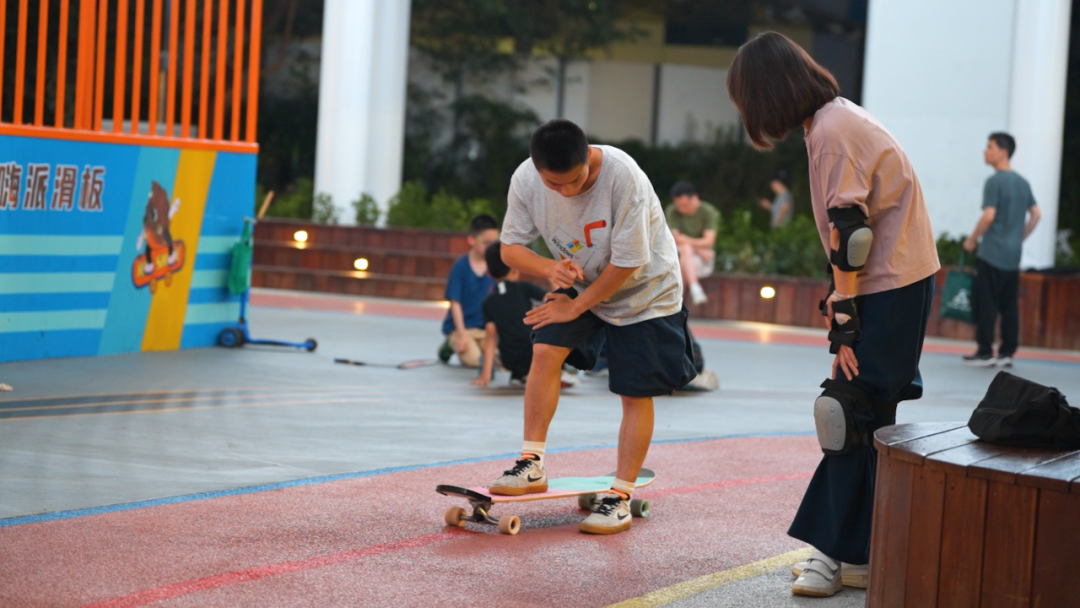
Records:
x=959, y=523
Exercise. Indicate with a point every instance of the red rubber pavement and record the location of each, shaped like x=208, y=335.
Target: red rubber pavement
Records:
x=380, y=540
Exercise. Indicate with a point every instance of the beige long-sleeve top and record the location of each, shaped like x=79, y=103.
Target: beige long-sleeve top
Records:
x=854, y=160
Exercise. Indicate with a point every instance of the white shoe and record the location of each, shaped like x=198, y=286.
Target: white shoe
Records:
x=850, y=574
x=1004, y=362
x=609, y=516
x=527, y=477
x=568, y=380
x=705, y=381
x=820, y=578
x=697, y=294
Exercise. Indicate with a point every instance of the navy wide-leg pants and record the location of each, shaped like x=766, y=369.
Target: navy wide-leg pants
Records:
x=836, y=511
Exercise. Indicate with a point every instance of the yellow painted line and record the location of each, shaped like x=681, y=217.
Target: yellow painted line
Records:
x=168, y=307
x=667, y=595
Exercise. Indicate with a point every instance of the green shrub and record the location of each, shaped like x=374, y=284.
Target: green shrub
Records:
x=295, y=202
x=323, y=210
x=794, y=249
x=367, y=210
x=949, y=250
x=444, y=211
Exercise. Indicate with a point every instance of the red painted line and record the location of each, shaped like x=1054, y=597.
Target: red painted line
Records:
x=731, y=483
x=149, y=596
x=157, y=594
x=357, y=307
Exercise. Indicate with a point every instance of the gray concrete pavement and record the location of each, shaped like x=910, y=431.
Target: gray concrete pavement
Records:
x=292, y=415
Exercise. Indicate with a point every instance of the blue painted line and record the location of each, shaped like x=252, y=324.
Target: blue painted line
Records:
x=38, y=302
x=57, y=263
x=212, y=261
x=157, y=502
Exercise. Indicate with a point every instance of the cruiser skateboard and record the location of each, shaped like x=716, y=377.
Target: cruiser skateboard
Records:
x=584, y=488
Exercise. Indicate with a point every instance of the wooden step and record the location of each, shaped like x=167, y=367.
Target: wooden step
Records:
x=341, y=258
x=352, y=282
x=394, y=239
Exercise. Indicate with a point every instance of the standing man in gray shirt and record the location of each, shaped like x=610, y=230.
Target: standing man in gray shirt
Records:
x=1007, y=200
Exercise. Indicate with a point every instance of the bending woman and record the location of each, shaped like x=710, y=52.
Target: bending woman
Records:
x=876, y=233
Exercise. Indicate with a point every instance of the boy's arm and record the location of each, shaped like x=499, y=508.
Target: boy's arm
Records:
x=1033, y=220
x=560, y=308
x=458, y=314
x=491, y=339
x=523, y=259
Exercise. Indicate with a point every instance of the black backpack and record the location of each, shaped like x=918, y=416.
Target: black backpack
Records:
x=1021, y=413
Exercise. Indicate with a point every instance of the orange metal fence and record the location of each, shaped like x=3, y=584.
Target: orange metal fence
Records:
x=183, y=70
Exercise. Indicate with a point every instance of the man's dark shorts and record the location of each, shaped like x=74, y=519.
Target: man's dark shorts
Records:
x=645, y=359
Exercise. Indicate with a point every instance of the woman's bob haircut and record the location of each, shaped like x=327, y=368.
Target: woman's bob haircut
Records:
x=776, y=86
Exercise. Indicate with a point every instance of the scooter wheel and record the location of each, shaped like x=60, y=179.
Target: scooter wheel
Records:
x=311, y=345
x=231, y=337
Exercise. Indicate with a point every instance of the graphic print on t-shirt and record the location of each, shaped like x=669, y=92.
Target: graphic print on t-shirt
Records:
x=591, y=256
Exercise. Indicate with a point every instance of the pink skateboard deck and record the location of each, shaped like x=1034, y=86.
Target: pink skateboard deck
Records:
x=584, y=488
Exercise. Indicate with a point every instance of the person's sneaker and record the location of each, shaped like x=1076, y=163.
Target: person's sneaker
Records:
x=978, y=360
x=446, y=351
x=697, y=294
x=609, y=516
x=850, y=574
x=515, y=381
x=1005, y=361
x=568, y=380
x=527, y=477
x=820, y=578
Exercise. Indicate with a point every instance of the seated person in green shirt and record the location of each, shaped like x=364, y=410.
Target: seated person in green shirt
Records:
x=693, y=222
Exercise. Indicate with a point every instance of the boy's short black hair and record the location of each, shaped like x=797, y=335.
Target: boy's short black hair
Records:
x=497, y=268
x=782, y=177
x=481, y=223
x=1005, y=142
x=682, y=188
x=559, y=145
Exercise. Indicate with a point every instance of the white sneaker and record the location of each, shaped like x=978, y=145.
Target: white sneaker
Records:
x=568, y=380
x=820, y=578
x=609, y=516
x=850, y=574
x=1004, y=361
x=697, y=294
x=527, y=477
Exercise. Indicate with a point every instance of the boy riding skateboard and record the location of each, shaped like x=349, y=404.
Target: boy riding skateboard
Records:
x=618, y=279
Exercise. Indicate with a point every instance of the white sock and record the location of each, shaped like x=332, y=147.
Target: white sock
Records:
x=626, y=487
x=534, y=447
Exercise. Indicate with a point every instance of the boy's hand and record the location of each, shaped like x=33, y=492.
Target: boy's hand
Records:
x=557, y=308
x=462, y=343
x=483, y=381
x=565, y=272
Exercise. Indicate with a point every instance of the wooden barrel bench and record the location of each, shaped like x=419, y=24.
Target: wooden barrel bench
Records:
x=962, y=523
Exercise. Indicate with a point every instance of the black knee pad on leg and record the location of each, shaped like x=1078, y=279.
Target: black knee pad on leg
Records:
x=838, y=431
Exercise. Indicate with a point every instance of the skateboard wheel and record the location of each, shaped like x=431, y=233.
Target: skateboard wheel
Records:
x=586, y=502
x=311, y=345
x=509, y=524
x=639, y=507
x=455, y=516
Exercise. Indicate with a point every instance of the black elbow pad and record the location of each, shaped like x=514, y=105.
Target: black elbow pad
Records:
x=855, y=238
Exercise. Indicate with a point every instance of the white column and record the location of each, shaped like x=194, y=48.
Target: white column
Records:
x=1037, y=113
x=362, y=80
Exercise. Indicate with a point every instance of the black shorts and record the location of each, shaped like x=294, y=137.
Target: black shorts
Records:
x=645, y=359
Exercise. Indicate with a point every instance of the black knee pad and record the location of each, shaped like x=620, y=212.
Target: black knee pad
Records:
x=838, y=431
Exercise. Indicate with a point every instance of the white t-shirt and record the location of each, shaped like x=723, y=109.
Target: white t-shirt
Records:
x=618, y=221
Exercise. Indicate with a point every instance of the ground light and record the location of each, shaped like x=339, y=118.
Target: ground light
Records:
x=768, y=292
x=360, y=264
x=300, y=236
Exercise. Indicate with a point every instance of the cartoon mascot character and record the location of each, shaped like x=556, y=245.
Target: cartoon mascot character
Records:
x=155, y=235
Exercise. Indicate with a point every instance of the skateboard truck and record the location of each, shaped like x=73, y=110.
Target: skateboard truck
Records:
x=481, y=506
